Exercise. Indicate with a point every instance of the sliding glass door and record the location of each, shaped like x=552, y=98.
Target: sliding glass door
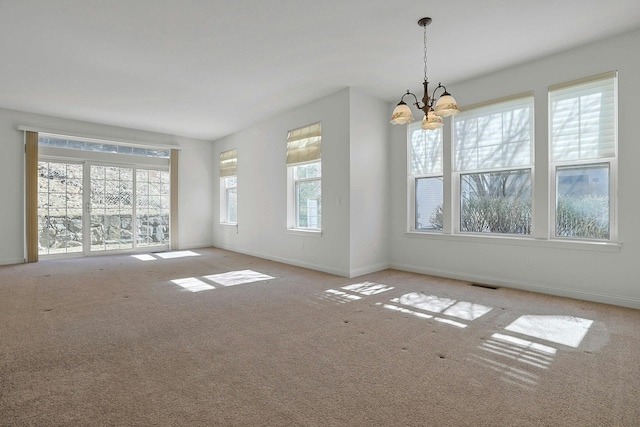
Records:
x=89, y=207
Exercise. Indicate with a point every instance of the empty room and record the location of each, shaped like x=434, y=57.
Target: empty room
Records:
x=305, y=213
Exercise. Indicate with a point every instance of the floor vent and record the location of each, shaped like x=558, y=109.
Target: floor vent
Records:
x=480, y=285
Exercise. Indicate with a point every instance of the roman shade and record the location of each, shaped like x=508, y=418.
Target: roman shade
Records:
x=228, y=163
x=304, y=144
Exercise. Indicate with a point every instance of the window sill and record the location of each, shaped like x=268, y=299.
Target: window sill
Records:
x=519, y=241
x=229, y=224
x=304, y=232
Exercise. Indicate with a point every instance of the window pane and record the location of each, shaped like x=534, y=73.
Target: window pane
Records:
x=311, y=170
x=79, y=144
x=59, y=208
x=582, y=206
x=232, y=205
x=231, y=182
x=152, y=219
x=429, y=193
x=583, y=120
x=496, y=202
x=494, y=136
x=425, y=150
x=308, y=204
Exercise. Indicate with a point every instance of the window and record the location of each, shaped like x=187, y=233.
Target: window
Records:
x=229, y=187
x=304, y=178
x=493, y=166
x=60, y=141
x=425, y=184
x=92, y=200
x=583, y=145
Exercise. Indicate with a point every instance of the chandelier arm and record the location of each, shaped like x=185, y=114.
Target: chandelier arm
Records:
x=433, y=95
x=414, y=97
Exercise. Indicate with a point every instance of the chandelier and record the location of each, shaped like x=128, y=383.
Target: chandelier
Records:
x=433, y=114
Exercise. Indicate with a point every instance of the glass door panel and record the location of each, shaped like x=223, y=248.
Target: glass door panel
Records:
x=152, y=207
x=60, y=192
x=111, y=207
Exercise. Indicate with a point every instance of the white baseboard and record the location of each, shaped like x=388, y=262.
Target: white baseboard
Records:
x=289, y=261
x=10, y=261
x=525, y=286
x=194, y=246
x=368, y=269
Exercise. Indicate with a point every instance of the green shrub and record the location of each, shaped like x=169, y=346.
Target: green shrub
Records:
x=583, y=216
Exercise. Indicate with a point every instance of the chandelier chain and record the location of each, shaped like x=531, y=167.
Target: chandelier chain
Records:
x=425, y=53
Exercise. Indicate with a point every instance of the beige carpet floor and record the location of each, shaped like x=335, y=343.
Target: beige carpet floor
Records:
x=118, y=340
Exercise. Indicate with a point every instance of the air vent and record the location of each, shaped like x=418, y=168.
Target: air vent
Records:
x=480, y=285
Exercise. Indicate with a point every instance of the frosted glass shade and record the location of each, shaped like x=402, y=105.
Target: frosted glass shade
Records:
x=401, y=114
x=431, y=121
x=446, y=106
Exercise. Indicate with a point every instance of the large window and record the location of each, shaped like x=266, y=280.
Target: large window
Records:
x=304, y=178
x=425, y=183
x=583, y=145
x=229, y=187
x=493, y=167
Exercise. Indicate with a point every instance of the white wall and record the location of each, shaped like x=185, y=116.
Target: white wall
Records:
x=195, y=177
x=369, y=176
x=605, y=274
x=262, y=184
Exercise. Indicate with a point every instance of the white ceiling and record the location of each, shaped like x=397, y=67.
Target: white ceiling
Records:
x=207, y=68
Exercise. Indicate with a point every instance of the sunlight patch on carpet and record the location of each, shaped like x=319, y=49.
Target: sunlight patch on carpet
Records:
x=406, y=311
x=176, y=254
x=338, y=296
x=420, y=314
x=145, y=257
x=513, y=357
x=241, y=277
x=467, y=310
x=367, y=288
x=193, y=284
x=450, y=307
x=565, y=330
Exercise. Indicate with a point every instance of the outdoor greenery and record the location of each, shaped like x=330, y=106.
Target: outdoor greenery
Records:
x=584, y=216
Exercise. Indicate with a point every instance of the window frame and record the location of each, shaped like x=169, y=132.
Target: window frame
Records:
x=612, y=163
x=224, y=199
x=293, y=214
x=457, y=173
x=412, y=180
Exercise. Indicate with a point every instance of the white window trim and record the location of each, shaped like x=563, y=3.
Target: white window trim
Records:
x=224, y=220
x=411, y=187
x=613, y=200
x=411, y=214
x=292, y=226
x=613, y=170
x=456, y=200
